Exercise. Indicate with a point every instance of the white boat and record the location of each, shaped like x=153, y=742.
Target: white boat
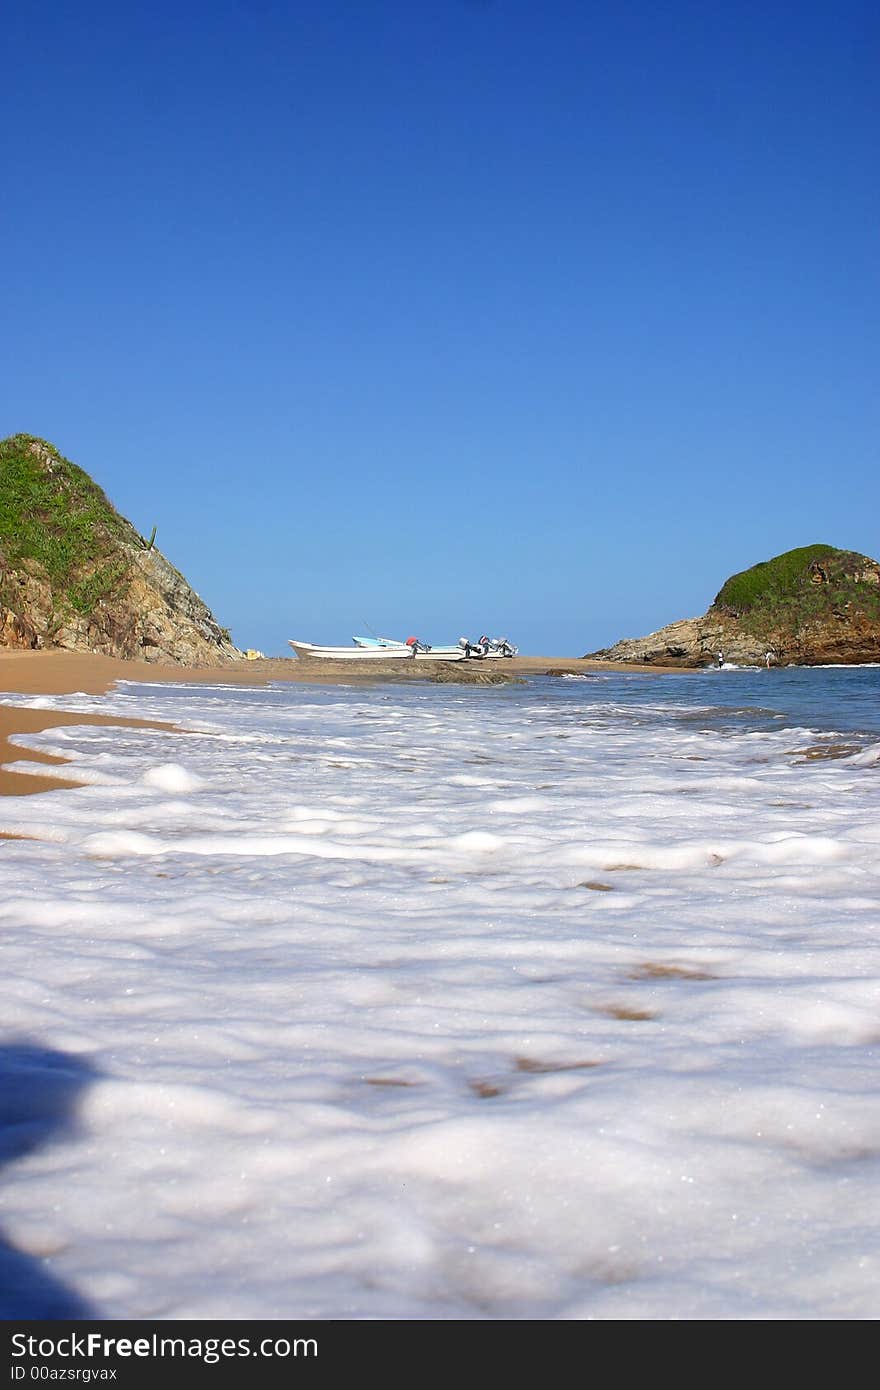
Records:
x=307, y=650
x=441, y=654
x=423, y=653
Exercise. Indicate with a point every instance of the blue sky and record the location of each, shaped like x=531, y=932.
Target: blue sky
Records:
x=463, y=315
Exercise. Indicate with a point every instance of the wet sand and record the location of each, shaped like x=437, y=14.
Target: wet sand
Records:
x=53, y=673
x=34, y=721
x=69, y=673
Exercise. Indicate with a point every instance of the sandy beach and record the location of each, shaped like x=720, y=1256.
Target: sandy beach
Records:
x=67, y=673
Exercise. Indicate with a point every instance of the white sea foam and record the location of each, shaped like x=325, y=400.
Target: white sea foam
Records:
x=171, y=777
x=447, y=1004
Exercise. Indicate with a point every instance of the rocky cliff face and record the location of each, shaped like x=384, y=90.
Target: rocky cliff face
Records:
x=809, y=607
x=76, y=574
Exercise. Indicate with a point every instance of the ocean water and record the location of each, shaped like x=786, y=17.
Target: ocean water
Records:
x=557, y=1000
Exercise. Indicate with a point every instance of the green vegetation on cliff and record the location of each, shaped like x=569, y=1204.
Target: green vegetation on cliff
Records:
x=74, y=573
x=771, y=580
x=53, y=516
x=800, y=587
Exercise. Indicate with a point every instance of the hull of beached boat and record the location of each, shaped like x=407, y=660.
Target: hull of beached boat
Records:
x=386, y=644
x=442, y=654
x=307, y=650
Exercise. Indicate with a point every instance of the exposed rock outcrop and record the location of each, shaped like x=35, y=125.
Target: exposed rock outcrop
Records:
x=16, y=631
x=809, y=607
x=74, y=573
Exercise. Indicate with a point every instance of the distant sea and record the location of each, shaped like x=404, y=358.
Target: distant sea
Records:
x=550, y=1000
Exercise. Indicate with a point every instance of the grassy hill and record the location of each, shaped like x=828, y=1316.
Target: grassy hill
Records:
x=800, y=588
x=75, y=573
x=807, y=607
x=55, y=519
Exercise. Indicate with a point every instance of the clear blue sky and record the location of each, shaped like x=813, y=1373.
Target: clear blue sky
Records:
x=450, y=316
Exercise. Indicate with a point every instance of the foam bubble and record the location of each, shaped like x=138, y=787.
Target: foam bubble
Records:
x=170, y=777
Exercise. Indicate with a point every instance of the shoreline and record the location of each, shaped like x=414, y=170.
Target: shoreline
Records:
x=60, y=672
x=55, y=673
x=17, y=720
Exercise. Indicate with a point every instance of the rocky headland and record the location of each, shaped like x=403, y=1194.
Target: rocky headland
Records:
x=75, y=574
x=813, y=606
